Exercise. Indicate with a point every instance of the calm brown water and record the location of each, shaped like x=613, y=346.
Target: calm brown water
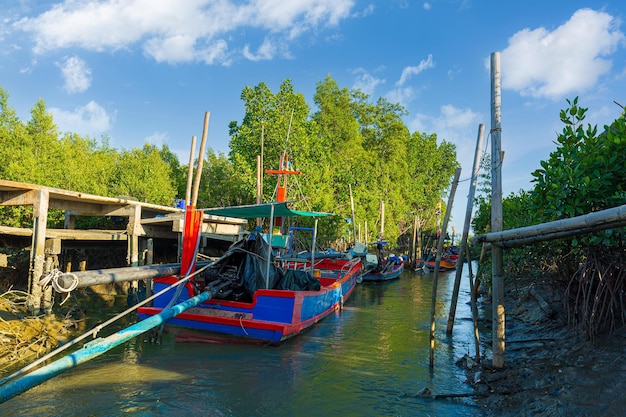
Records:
x=368, y=360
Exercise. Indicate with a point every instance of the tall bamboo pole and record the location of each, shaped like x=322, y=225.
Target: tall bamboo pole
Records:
x=497, y=278
x=466, y=224
x=413, y=254
x=259, y=192
x=259, y=180
x=352, y=207
x=442, y=238
x=190, y=172
x=382, y=220
x=196, y=185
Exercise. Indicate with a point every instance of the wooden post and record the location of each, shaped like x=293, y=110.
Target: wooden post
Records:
x=497, y=278
x=259, y=169
x=190, y=172
x=69, y=220
x=466, y=225
x=382, y=220
x=134, y=230
x=412, y=255
x=149, y=261
x=420, y=242
x=196, y=184
x=352, y=207
x=37, y=253
x=52, y=251
x=442, y=238
x=365, y=240
x=473, y=296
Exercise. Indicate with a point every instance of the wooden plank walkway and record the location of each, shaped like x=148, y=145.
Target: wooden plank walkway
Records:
x=145, y=222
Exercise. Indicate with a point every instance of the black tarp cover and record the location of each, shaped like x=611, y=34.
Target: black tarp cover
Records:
x=248, y=259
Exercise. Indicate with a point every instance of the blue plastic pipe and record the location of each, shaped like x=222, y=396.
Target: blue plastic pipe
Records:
x=94, y=349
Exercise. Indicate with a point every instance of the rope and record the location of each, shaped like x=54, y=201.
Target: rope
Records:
x=96, y=329
x=241, y=325
x=53, y=279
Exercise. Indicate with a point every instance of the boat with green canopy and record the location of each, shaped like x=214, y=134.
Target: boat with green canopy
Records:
x=258, y=300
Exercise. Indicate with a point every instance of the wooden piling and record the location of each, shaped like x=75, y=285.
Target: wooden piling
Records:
x=497, y=275
x=190, y=172
x=433, y=301
x=465, y=233
x=37, y=254
x=352, y=208
x=196, y=184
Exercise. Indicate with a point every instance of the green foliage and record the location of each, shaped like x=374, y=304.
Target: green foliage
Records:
x=144, y=175
x=33, y=152
x=348, y=141
x=586, y=173
x=225, y=183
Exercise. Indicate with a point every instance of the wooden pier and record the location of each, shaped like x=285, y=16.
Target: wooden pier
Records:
x=144, y=222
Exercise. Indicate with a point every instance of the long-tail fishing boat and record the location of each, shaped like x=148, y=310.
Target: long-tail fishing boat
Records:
x=385, y=268
x=257, y=296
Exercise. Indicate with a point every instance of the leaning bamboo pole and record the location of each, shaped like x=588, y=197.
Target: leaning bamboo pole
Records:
x=466, y=225
x=196, y=185
x=442, y=238
x=353, y=220
x=190, y=172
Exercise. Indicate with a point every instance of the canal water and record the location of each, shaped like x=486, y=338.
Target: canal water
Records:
x=370, y=359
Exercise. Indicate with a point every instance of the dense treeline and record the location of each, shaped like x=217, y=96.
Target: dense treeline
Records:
x=585, y=173
x=347, y=141
x=35, y=152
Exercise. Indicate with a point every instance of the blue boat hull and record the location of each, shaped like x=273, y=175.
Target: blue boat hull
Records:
x=272, y=317
x=393, y=273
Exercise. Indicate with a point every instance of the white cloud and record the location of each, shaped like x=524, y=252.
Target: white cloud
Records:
x=173, y=32
x=368, y=10
x=90, y=119
x=366, y=82
x=266, y=51
x=455, y=125
x=76, y=74
x=157, y=139
x=567, y=60
x=402, y=95
x=408, y=72
x=427, y=6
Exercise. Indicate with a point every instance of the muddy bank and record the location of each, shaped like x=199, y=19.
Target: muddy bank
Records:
x=551, y=368
x=25, y=338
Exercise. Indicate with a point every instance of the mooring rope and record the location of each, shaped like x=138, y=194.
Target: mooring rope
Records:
x=99, y=327
x=53, y=279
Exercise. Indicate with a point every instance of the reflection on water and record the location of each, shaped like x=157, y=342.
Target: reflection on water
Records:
x=368, y=360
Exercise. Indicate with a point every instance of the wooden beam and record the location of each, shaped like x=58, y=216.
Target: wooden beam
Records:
x=18, y=198
x=81, y=208
x=592, y=222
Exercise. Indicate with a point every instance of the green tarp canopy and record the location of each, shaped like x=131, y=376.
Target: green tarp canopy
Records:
x=261, y=210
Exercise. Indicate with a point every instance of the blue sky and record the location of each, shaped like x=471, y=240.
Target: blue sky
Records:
x=147, y=70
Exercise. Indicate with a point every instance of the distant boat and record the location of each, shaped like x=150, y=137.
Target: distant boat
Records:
x=392, y=268
x=258, y=301
x=380, y=268
x=448, y=261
